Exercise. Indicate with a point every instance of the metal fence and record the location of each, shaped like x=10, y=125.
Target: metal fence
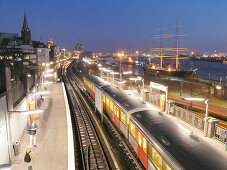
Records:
x=188, y=117
x=18, y=93
x=30, y=82
x=219, y=133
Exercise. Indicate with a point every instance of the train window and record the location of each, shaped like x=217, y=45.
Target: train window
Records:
x=107, y=101
x=144, y=144
x=149, y=151
x=165, y=166
x=156, y=159
x=117, y=111
x=111, y=105
x=104, y=98
x=132, y=129
x=123, y=118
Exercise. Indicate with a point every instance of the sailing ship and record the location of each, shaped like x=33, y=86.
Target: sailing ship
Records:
x=151, y=68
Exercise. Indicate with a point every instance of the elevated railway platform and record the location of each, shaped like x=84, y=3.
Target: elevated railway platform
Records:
x=55, y=149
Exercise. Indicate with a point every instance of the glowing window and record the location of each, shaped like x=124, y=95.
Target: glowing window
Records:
x=144, y=145
x=156, y=159
x=117, y=111
x=123, y=118
x=133, y=129
x=104, y=98
x=107, y=101
x=111, y=105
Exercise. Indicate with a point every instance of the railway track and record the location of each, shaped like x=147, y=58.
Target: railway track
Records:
x=132, y=159
x=91, y=151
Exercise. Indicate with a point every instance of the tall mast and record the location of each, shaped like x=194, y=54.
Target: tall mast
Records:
x=150, y=52
x=177, y=50
x=161, y=47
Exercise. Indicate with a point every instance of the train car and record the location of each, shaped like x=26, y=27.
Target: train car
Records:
x=118, y=105
x=92, y=81
x=159, y=142
x=164, y=144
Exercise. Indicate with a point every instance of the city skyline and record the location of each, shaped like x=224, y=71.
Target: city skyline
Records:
x=107, y=25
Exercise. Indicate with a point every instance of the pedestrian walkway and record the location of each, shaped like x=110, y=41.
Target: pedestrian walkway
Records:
x=219, y=146
x=54, y=136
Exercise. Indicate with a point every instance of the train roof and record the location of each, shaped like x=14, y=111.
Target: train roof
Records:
x=98, y=82
x=128, y=103
x=189, y=150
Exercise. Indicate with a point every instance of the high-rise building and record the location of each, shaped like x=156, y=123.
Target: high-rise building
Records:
x=79, y=47
x=25, y=32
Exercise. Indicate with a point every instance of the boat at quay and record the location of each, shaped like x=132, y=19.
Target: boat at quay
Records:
x=151, y=69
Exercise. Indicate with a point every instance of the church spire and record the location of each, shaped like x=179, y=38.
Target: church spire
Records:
x=25, y=24
x=25, y=32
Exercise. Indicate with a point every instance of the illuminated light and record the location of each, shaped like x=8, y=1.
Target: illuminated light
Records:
x=169, y=69
x=42, y=92
x=29, y=75
x=127, y=72
x=114, y=73
x=49, y=70
x=137, y=52
x=158, y=86
x=99, y=65
x=153, y=67
x=194, y=98
x=122, y=82
x=44, y=83
x=218, y=87
x=48, y=75
x=135, y=79
x=47, y=64
x=130, y=60
x=31, y=112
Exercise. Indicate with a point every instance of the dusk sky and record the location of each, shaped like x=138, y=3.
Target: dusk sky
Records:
x=108, y=25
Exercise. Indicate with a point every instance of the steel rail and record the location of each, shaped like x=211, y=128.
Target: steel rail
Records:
x=92, y=150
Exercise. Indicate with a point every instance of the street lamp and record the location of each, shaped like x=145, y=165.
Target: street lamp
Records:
x=206, y=100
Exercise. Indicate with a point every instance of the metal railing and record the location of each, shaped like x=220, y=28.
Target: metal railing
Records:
x=188, y=117
x=30, y=82
x=219, y=133
x=18, y=93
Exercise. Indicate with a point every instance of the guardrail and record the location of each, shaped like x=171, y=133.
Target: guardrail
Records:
x=188, y=117
x=219, y=133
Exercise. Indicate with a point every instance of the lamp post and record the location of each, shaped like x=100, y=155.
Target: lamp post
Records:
x=206, y=100
x=120, y=55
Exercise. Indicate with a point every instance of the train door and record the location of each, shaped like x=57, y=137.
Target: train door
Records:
x=116, y=116
x=93, y=89
x=104, y=101
x=142, y=149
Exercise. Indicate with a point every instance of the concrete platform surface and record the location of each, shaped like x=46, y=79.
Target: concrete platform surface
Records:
x=52, y=135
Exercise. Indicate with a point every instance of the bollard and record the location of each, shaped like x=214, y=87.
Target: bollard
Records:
x=211, y=126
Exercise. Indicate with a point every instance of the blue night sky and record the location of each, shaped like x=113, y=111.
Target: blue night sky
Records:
x=108, y=25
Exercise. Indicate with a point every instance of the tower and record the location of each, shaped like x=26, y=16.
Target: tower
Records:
x=25, y=32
